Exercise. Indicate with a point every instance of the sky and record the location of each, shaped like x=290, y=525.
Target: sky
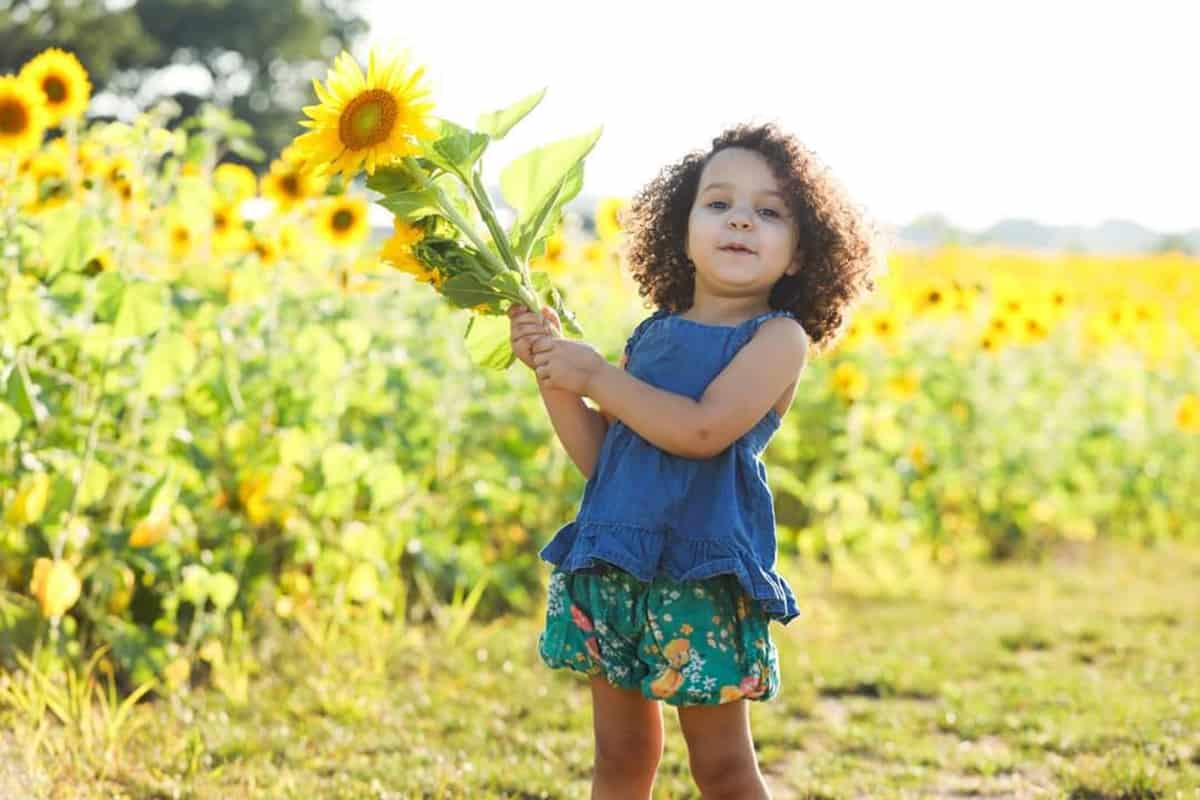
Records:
x=1070, y=113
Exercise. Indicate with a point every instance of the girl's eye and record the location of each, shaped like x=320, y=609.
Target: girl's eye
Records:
x=772, y=212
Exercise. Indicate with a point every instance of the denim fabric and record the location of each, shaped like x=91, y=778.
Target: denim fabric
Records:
x=652, y=513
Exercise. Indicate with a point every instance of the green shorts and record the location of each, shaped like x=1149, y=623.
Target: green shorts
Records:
x=693, y=643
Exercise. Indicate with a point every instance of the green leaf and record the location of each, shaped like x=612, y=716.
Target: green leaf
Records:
x=158, y=494
x=459, y=153
x=467, y=291
x=10, y=423
x=532, y=233
x=22, y=395
x=392, y=180
x=530, y=179
x=194, y=586
x=69, y=235
x=343, y=463
x=487, y=341
x=170, y=361
x=22, y=318
x=143, y=310
x=387, y=486
x=95, y=484
x=411, y=206
x=497, y=124
x=222, y=589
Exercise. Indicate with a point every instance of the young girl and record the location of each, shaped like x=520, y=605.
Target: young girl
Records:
x=664, y=584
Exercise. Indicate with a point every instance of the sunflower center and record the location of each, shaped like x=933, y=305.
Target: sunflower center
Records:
x=290, y=185
x=55, y=89
x=343, y=220
x=13, y=117
x=368, y=119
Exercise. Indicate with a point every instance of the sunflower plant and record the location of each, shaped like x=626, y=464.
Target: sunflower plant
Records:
x=429, y=173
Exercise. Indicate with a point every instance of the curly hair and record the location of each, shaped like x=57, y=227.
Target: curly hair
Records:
x=840, y=248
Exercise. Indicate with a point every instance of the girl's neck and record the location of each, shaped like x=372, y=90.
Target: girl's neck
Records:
x=716, y=311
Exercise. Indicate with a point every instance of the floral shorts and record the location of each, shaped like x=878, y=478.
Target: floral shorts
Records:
x=693, y=643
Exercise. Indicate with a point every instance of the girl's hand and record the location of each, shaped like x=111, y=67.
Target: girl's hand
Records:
x=524, y=327
x=565, y=364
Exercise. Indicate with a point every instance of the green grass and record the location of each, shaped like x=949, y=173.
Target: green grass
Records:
x=1077, y=678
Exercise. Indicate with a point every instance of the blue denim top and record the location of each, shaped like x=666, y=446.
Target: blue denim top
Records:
x=650, y=512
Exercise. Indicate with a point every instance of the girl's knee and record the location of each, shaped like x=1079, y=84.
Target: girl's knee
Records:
x=732, y=777
x=629, y=755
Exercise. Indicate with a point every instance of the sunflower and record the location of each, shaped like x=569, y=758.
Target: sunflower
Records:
x=99, y=261
x=1187, y=413
x=179, y=240
x=228, y=228
x=609, y=217
x=553, y=260
x=265, y=247
x=343, y=220
x=849, y=381
x=289, y=184
x=62, y=81
x=397, y=251
x=234, y=182
x=365, y=120
x=22, y=116
x=51, y=184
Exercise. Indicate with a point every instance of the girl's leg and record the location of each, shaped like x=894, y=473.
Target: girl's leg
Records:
x=721, y=751
x=629, y=741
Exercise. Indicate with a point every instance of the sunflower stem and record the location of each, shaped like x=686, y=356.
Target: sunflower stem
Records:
x=463, y=225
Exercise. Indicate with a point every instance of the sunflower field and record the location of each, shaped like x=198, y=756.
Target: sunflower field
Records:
x=222, y=398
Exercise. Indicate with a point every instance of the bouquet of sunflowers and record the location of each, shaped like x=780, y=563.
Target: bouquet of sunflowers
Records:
x=429, y=172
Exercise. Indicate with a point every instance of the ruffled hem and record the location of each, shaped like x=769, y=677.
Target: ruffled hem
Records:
x=584, y=544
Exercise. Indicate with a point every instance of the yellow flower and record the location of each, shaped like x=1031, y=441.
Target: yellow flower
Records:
x=608, y=217
x=918, y=455
x=234, y=182
x=177, y=672
x=266, y=248
x=849, y=381
x=288, y=184
x=397, y=251
x=179, y=240
x=904, y=384
x=365, y=121
x=228, y=229
x=30, y=501
x=151, y=530
x=1187, y=413
x=553, y=260
x=55, y=585
x=99, y=261
x=885, y=325
x=343, y=220
x=63, y=82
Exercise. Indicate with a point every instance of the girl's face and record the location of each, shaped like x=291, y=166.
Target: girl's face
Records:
x=738, y=202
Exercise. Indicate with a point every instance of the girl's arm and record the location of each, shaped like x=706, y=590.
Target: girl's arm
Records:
x=731, y=405
x=580, y=429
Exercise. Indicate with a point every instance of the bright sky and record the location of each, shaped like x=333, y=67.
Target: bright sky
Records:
x=1066, y=111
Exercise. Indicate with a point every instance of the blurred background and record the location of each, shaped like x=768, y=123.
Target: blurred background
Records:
x=1063, y=126
x=246, y=448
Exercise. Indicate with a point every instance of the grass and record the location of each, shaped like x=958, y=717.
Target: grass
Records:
x=1077, y=678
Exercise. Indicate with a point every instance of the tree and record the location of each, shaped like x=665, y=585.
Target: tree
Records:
x=256, y=57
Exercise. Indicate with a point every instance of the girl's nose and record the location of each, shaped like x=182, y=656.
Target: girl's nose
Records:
x=739, y=220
